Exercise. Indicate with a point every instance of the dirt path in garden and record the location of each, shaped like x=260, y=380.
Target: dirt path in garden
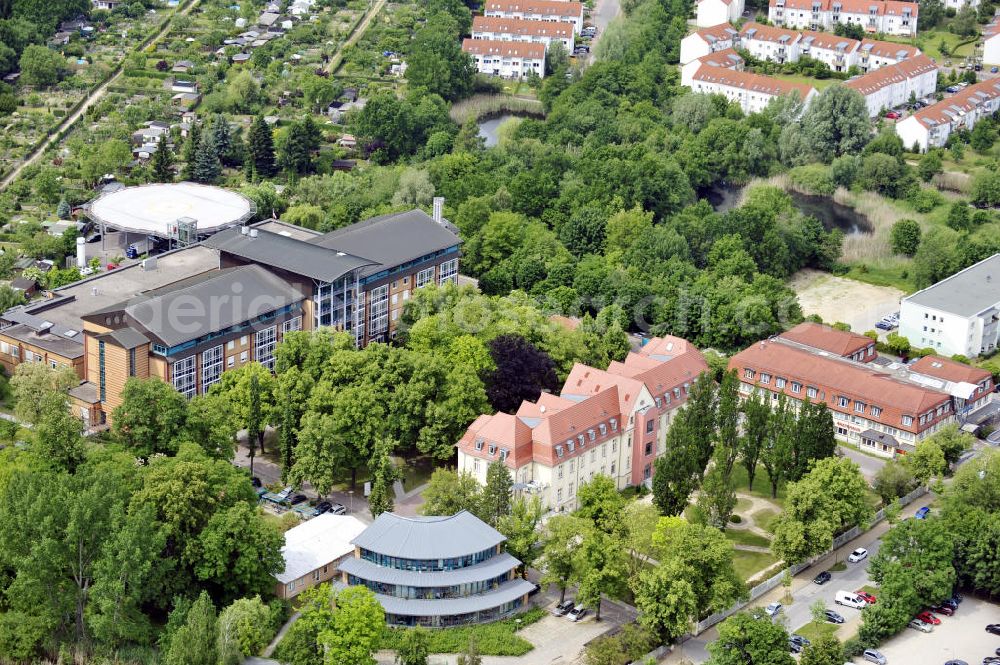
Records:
x=92, y=98
x=748, y=524
x=338, y=57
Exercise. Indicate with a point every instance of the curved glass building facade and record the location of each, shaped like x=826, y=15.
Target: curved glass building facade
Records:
x=436, y=571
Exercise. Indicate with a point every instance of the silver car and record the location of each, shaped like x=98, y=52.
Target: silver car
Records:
x=922, y=626
x=873, y=656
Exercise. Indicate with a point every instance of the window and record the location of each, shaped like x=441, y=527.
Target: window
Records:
x=211, y=368
x=582, y=439
x=780, y=382
x=244, y=340
x=677, y=393
x=876, y=410
x=571, y=445
x=559, y=451
x=479, y=444
x=649, y=426
x=100, y=364
x=504, y=452
x=230, y=362
x=184, y=376
x=612, y=468
x=604, y=428
x=475, y=466
x=560, y=467
x=592, y=434
x=291, y=325
x=264, y=348
x=559, y=495
x=796, y=387
x=811, y=392
x=378, y=311
x=748, y=373
x=859, y=407
x=765, y=378
x=243, y=356
x=614, y=424
x=649, y=447
x=493, y=449
x=647, y=472
x=907, y=420
x=448, y=271
x=425, y=277
x=569, y=490
x=843, y=401
x=131, y=362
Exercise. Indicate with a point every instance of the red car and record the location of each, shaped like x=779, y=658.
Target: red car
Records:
x=892, y=115
x=112, y=266
x=927, y=617
x=865, y=596
x=942, y=609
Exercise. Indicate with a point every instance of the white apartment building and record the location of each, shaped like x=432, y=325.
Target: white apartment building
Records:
x=893, y=85
x=509, y=60
x=522, y=30
x=930, y=127
x=708, y=40
x=611, y=422
x=727, y=59
x=891, y=17
x=874, y=54
x=766, y=42
x=991, y=42
x=959, y=314
x=557, y=11
x=714, y=12
x=837, y=53
x=753, y=92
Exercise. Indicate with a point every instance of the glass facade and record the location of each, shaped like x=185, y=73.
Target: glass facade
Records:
x=425, y=566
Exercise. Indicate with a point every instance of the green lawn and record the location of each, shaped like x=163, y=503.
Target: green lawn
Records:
x=929, y=41
x=742, y=505
x=746, y=538
x=819, y=84
x=764, y=518
x=761, y=484
x=492, y=639
x=748, y=564
x=838, y=567
x=813, y=630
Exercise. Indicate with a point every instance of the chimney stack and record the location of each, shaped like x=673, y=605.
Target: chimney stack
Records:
x=253, y=233
x=439, y=209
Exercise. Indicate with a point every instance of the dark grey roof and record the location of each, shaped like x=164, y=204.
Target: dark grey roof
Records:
x=428, y=538
x=880, y=437
x=212, y=303
x=127, y=338
x=52, y=340
x=85, y=392
x=505, y=593
x=966, y=293
x=286, y=253
x=393, y=239
x=487, y=570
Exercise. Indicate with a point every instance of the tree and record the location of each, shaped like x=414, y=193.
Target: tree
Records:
x=601, y=569
x=601, y=502
x=905, y=237
x=244, y=630
x=357, y=627
x=756, y=432
x=926, y=462
x=437, y=63
x=260, y=144
x=150, y=417
x=930, y=165
x=383, y=474
x=40, y=66
x=194, y=642
x=207, y=168
x=837, y=123
x=824, y=650
x=520, y=528
x=953, y=442
x=414, y=647
x=32, y=382
x=494, y=501
x=675, y=473
x=828, y=499
x=560, y=542
x=750, y=637
x=249, y=392
x=893, y=480
x=815, y=437
x=776, y=456
x=449, y=492
x=222, y=138
x=301, y=140
x=58, y=441
x=959, y=216
x=238, y=553
x=986, y=189
x=718, y=497
x=163, y=162
x=727, y=444
x=666, y=600
x=522, y=372
x=471, y=654
x=301, y=644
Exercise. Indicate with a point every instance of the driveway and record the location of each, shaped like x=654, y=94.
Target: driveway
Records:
x=869, y=465
x=603, y=13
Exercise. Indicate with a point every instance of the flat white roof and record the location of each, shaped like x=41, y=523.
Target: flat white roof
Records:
x=316, y=543
x=153, y=208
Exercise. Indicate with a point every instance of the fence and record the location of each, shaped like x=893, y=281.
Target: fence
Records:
x=772, y=582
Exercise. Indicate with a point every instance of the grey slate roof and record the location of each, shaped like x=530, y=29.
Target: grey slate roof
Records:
x=127, y=338
x=286, y=253
x=505, y=593
x=85, y=392
x=428, y=538
x=487, y=570
x=966, y=293
x=392, y=239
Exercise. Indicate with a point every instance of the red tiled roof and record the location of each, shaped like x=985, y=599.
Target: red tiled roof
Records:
x=750, y=81
x=889, y=49
x=546, y=7
x=769, y=33
x=950, y=370
x=829, y=41
x=945, y=111
x=875, y=80
x=834, y=377
x=824, y=5
x=722, y=32
x=727, y=57
x=521, y=27
x=496, y=47
x=826, y=338
x=992, y=28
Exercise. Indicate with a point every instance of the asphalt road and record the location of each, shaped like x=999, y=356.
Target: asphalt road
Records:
x=869, y=465
x=604, y=12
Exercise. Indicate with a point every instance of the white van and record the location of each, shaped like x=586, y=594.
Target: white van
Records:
x=849, y=599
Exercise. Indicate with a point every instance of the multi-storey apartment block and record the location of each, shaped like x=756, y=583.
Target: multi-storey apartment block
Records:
x=611, y=422
x=704, y=41
x=874, y=16
x=727, y=59
x=991, y=42
x=507, y=59
x=837, y=53
x=753, y=92
x=931, y=126
x=189, y=315
x=894, y=85
x=874, y=54
x=766, y=42
x=496, y=29
x=558, y=11
x=714, y=12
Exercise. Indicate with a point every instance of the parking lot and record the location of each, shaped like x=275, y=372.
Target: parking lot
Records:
x=961, y=637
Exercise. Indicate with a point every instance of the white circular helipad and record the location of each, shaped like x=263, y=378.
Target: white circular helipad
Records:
x=154, y=209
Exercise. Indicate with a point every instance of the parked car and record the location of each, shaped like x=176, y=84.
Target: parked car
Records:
x=823, y=577
x=893, y=115
x=338, y=509
x=874, y=656
x=867, y=597
x=952, y=89
x=799, y=639
x=946, y=610
x=773, y=610
x=927, y=617
x=848, y=599
x=857, y=555
x=957, y=598
x=922, y=626
x=562, y=608
x=993, y=628
x=94, y=238
x=322, y=507
x=994, y=70
x=577, y=613
x=950, y=602
x=794, y=646
x=922, y=513
x=298, y=498
x=833, y=617
x=956, y=662
x=991, y=660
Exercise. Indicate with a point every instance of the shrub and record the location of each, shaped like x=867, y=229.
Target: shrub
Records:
x=925, y=200
x=905, y=237
x=492, y=639
x=735, y=519
x=813, y=178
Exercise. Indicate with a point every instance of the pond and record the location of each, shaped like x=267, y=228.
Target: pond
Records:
x=833, y=215
x=489, y=129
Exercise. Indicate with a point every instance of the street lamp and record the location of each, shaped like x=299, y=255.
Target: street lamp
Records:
x=351, y=493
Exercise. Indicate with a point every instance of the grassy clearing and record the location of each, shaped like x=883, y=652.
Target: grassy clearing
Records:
x=814, y=630
x=819, y=84
x=492, y=639
x=838, y=567
x=747, y=538
x=765, y=518
x=484, y=106
x=742, y=505
x=748, y=564
x=761, y=486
